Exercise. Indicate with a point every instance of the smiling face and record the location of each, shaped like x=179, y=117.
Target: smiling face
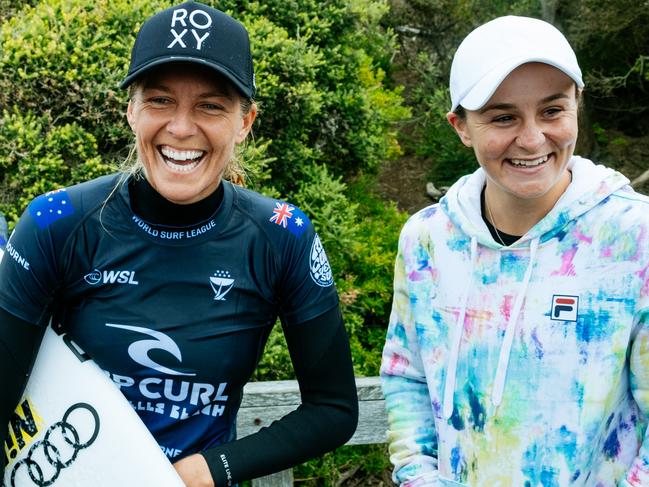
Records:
x=187, y=121
x=525, y=135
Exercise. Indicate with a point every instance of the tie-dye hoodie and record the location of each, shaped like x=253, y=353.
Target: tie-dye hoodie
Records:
x=526, y=365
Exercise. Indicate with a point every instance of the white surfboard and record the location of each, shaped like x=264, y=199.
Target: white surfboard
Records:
x=73, y=428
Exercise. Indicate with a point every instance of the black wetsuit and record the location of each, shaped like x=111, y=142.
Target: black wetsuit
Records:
x=176, y=303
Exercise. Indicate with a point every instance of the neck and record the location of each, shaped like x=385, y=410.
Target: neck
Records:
x=514, y=215
x=151, y=206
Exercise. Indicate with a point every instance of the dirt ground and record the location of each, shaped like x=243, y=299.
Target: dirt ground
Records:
x=631, y=158
x=404, y=181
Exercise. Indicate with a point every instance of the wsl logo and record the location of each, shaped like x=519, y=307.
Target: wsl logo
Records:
x=564, y=308
x=221, y=283
x=110, y=277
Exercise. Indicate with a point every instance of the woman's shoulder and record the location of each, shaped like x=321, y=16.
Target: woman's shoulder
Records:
x=95, y=189
x=626, y=206
x=249, y=199
x=424, y=219
x=275, y=216
x=99, y=188
x=66, y=206
x=638, y=200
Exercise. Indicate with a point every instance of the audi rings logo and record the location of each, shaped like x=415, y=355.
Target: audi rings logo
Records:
x=59, y=448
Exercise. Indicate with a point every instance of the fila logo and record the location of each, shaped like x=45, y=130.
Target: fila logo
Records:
x=111, y=277
x=139, y=351
x=564, y=308
x=221, y=283
x=198, y=20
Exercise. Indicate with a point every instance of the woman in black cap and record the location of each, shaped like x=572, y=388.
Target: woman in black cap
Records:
x=170, y=277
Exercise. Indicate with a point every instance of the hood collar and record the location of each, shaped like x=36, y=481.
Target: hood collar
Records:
x=590, y=185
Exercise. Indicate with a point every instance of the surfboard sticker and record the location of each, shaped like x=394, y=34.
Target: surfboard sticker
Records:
x=73, y=428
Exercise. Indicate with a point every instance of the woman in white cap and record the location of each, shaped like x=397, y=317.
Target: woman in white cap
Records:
x=171, y=278
x=517, y=352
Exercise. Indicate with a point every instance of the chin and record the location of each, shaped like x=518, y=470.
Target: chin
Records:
x=528, y=193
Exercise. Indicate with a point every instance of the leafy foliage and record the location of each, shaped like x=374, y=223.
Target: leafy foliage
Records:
x=612, y=44
x=33, y=157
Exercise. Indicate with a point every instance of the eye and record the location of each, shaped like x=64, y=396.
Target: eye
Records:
x=159, y=100
x=211, y=107
x=552, y=111
x=503, y=119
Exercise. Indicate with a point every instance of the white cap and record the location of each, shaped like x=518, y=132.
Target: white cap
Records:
x=490, y=52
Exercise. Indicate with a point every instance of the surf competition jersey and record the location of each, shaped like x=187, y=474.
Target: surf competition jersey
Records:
x=3, y=234
x=177, y=316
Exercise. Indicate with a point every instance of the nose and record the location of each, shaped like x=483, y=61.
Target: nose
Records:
x=531, y=135
x=181, y=125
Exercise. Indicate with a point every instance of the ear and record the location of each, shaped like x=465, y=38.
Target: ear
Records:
x=130, y=115
x=248, y=120
x=459, y=124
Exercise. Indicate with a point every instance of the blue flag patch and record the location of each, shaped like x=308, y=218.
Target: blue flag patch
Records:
x=290, y=217
x=50, y=207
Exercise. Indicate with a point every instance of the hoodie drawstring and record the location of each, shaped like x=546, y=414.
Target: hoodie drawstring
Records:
x=505, y=350
x=449, y=385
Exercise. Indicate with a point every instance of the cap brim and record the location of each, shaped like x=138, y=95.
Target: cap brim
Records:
x=480, y=94
x=245, y=90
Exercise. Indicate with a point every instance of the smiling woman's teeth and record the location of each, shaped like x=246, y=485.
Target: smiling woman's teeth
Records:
x=181, y=161
x=530, y=163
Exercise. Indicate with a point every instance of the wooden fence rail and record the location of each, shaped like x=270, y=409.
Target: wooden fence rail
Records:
x=265, y=402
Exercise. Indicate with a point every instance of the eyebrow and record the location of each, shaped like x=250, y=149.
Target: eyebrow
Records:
x=207, y=94
x=510, y=106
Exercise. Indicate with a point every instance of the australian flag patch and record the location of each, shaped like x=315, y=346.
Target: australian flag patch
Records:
x=290, y=217
x=50, y=207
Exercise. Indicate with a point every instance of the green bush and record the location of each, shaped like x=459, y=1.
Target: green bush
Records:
x=34, y=158
x=365, y=286
x=320, y=84
x=438, y=141
x=354, y=462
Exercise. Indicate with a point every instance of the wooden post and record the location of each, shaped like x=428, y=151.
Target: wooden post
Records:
x=265, y=402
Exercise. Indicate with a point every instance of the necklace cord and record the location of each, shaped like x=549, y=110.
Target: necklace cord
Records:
x=493, y=221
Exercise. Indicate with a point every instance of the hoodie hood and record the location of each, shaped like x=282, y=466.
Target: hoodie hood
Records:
x=590, y=185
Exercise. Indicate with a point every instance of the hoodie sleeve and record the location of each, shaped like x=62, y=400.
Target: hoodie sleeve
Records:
x=411, y=434
x=638, y=473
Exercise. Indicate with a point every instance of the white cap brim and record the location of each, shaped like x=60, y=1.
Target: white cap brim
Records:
x=480, y=94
